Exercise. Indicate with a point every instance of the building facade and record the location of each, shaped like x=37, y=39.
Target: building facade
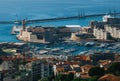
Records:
x=1, y=76
x=40, y=69
x=113, y=30
x=44, y=34
x=106, y=30
x=101, y=34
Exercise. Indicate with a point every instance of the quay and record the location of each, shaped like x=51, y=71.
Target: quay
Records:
x=57, y=18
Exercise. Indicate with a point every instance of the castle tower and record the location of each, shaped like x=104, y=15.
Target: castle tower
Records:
x=24, y=24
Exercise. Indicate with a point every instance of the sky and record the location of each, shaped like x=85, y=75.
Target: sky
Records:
x=49, y=8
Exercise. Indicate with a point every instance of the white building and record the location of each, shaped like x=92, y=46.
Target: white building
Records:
x=6, y=65
x=108, y=28
x=74, y=28
x=40, y=69
x=101, y=34
x=114, y=31
x=106, y=17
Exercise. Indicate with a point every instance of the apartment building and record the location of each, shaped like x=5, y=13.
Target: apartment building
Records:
x=40, y=69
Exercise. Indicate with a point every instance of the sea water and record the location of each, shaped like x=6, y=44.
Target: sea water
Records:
x=39, y=9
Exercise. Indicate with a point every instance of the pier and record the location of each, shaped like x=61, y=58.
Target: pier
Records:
x=57, y=18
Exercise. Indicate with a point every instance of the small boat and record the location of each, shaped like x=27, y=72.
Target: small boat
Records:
x=83, y=52
x=89, y=44
x=16, y=22
x=102, y=45
x=43, y=52
x=55, y=49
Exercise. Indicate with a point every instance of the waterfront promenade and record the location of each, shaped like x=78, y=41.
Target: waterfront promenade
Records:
x=79, y=16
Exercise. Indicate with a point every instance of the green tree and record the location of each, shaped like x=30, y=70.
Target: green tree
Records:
x=70, y=77
x=44, y=79
x=79, y=79
x=61, y=77
x=94, y=78
x=96, y=71
x=114, y=68
x=1, y=61
x=64, y=77
x=56, y=79
x=23, y=62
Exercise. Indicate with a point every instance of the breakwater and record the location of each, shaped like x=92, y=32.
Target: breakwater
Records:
x=57, y=18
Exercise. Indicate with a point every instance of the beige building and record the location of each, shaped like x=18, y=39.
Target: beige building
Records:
x=44, y=34
x=113, y=30
x=100, y=34
x=108, y=31
x=24, y=35
x=109, y=28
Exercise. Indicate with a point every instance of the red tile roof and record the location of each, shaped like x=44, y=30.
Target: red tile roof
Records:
x=82, y=57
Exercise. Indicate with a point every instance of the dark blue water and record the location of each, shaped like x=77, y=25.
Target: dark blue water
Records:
x=39, y=9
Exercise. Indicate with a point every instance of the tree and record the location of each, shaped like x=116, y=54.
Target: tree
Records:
x=94, y=78
x=79, y=79
x=114, y=68
x=64, y=77
x=1, y=61
x=61, y=77
x=70, y=77
x=44, y=79
x=23, y=62
x=96, y=71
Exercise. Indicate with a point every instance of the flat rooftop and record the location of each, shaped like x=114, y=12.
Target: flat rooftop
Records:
x=72, y=26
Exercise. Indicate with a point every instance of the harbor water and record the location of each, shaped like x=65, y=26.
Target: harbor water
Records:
x=40, y=9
